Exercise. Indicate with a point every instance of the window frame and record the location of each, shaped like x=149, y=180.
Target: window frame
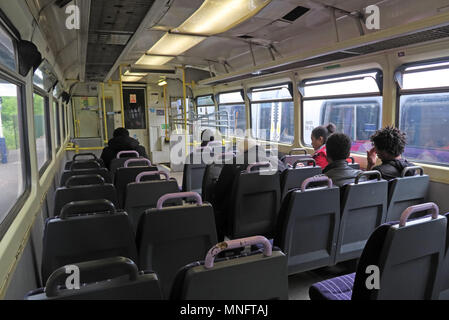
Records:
x=217, y=100
x=14, y=78
x=57, y=130
x=251, y=102
x=420, y=91
x=302, y=98
x=48, y=132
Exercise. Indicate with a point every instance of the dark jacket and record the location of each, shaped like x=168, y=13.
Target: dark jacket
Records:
x=121, y=143
x=341, y=173
x=393, y=168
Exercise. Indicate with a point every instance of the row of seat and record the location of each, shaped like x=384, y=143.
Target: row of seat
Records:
x=410, y=260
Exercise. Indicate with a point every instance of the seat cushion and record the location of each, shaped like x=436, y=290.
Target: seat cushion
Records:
x=339, y=288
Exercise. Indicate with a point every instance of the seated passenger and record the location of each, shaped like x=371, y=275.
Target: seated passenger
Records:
x=338, y=148
x=319, y=139
x=389, y=144
x=206, y=137
x=121, y=142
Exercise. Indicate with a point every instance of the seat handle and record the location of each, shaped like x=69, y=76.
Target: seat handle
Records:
x=352, y=160
x=298, y=149
x=151, y=173
x=407, y=169
x=86, y=206
x=94, y=157
x=310, y=180
x=70, y=182
x=312, y=161
x=127, y=152
x=127, y=162
x=368, y=173
x=125, y=265
x=179, y=195
x=237, y=243
x=419, y=208
x=257, y=165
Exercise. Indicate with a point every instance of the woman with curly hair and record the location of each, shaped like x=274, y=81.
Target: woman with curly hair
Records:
x=389, y=145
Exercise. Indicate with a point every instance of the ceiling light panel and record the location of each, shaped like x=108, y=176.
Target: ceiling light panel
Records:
x=131, y=78
x=217, y=16
x=174, y=44
x=153, y=60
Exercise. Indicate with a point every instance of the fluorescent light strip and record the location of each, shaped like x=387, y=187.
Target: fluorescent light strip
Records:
x=217, y=16
x=135, y=74
x=131, y=79
x=174, y=44
x=153, y=60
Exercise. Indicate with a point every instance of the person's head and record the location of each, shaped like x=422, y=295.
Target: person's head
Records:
x=389, y=143
x=207, y=136
x=320, y=135
x=338, y=147
x=121, y=132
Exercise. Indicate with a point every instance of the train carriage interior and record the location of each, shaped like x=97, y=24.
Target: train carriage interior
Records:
x=188, y=149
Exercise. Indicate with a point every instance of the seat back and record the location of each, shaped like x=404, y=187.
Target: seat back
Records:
x=354, y=165
x=255, y=203
x=92, y=236
x=172, y=237
x=192, y=179
x=210, y=177
x=83, y=157
x=444, y=275
x=260, y=275
x=143, y=195
x=292, y=158
x=81, y=193
x=292, y=178
x=66, y=175
x=82, y=180
x=307, y=227
x=128, y=174
x=120, y=159
x=363, y=209
x=137, y=286
x=409, y=257
x=406, y=191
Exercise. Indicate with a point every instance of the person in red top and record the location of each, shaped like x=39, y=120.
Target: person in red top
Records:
x=319, y=139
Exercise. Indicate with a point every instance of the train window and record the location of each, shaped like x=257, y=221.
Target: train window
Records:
x=57, y=125
x=64, y=122
x=12, y=149
x=7, y=50
x=272, y=113
x=231, y=113
x=353, y=102
x=424, y=111
x=205, y=105
x=43, y=147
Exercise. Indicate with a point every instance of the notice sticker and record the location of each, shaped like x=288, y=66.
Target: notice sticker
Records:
x=132, y=98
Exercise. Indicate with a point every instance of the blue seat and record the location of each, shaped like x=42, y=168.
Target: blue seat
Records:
x=408, y=256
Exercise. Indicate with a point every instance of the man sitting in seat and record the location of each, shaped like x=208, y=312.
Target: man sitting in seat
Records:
x=389, y=145
x=338, y=147
x=121, y=142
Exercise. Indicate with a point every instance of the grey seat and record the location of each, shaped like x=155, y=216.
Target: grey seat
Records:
x=172, y=237
x=91, y=157
x=128, y=174
x=210, y=177
x=81, y=193
x=307, y=227
x=292, y=178
x=143, y=195
x=406, y=191
x=192, y=179
x=259, y=275
x=443, y=281
x=409, y=258
x=136, y=286
x=291, y=159
x=82, y=180
x=66, y=175
x=255, y=203
x=363, y=209
x=100, y=232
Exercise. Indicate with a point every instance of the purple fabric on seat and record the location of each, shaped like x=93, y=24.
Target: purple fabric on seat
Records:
x=339, y=288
